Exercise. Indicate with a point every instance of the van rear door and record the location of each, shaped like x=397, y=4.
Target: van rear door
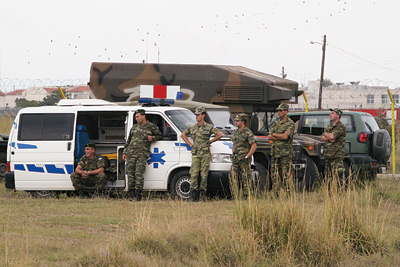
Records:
x=42, y=153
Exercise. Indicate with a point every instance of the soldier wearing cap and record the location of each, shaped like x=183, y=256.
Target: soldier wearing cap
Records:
x=201, y=156
x=244, y=146
x=90, y=170
x=137, y=152
x=281, y=133
x=334, y=149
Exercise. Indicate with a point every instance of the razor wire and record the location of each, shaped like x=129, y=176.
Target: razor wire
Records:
x=367, y=94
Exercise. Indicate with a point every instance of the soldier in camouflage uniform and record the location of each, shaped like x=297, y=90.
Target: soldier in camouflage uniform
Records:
x=244, y=146
x=334, y=149
x=137, y=152
x=90, y=170
x=281, y=134
x=201, y=156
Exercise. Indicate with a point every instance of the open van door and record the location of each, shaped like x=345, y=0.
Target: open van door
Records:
x=42, y=150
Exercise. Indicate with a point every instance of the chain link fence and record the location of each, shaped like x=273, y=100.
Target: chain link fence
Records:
x=12, y=89
x=368, y=94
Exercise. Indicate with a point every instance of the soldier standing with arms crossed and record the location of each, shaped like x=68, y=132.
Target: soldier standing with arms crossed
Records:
x=201, y=156
x=334, y=149
x=281, y=134
x=244, y=146
x=137, y=151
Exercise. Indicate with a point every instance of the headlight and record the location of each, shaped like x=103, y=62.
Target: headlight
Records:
x=322, y=150
x=221, y=158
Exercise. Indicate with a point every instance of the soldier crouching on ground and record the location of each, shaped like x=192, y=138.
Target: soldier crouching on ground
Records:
x=244, y=146
x=281, y=134
x=90, y=170
x=334, y=148
x=201, y=156
x=137, y=152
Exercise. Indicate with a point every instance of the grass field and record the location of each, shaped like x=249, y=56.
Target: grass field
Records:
x=354, y=227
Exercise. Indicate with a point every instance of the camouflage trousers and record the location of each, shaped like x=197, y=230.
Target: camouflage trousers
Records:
x=281, y=172
x=240, y=176
x=98, y=181
x=199, y=164
x=136, y=166
x=334, y=168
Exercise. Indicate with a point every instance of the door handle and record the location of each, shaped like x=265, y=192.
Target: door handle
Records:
x=69, y=146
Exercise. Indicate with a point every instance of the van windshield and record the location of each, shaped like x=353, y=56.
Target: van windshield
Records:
x=181, y=118
x=221, y=118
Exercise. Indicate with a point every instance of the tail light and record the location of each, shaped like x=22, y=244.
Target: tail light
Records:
x=362, y=137
x=8, y=166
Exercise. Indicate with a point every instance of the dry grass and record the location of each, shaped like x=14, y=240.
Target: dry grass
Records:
x=354, y=227
x=5, y=124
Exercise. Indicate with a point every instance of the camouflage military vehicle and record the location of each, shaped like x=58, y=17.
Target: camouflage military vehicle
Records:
x=368, y=148
x=241, y=89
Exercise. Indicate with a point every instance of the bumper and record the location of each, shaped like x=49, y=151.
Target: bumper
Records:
x=218, y=182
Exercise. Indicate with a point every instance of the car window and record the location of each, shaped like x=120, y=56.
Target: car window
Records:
x=369, y=122
x=316, y=124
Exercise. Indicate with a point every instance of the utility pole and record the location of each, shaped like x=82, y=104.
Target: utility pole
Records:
x=322, y=74
x=283, y=72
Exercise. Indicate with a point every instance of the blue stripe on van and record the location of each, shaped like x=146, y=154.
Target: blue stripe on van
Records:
x=70, y=168
x=51, y=168
x=26, y=146
x=19, y=167
x=33, y=168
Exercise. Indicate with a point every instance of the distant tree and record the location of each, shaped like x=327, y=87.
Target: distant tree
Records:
x=49, y=100
x=327, y=82
x=52, y=99
x=23, y=103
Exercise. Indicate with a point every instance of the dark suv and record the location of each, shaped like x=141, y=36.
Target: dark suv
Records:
x=3, y=155
x=368, y=148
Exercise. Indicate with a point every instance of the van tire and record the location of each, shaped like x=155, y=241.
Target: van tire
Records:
x=43, y=193
x=180, y=185
x=311, y=175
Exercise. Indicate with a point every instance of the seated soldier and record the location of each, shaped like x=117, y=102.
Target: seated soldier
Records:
x=90, y=170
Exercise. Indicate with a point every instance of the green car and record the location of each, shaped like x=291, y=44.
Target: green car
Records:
x=368, y=148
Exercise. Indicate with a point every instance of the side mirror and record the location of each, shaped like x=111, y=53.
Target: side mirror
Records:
x=254, y=124
x=169, y=133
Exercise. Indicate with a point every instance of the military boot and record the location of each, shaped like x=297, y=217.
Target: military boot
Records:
x=138, y=195
x=80, y=194
x=202, y=195
x=131, y=194
x=194, y=196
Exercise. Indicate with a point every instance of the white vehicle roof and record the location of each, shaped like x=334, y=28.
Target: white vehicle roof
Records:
x=66, y=105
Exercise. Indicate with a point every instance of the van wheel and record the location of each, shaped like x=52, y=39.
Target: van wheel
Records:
x=309, y=177
x=43, y=193
x=180, y=185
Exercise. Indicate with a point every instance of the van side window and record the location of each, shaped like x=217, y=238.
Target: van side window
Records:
x=51, y=127
x=166, y=130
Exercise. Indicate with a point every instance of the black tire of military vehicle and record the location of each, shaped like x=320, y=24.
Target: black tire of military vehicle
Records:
x=348, y=171
x=381, y=147
x=311, y=175
x=3, y=170
x=43, y=193
x=180, y=185
x=264, y=182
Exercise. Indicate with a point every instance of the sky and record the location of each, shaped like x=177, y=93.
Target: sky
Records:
x=58, y=40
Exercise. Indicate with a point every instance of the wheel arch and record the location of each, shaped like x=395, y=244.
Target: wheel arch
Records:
x=172, y=174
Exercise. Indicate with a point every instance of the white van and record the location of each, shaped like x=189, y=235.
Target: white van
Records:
x=46, y=142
